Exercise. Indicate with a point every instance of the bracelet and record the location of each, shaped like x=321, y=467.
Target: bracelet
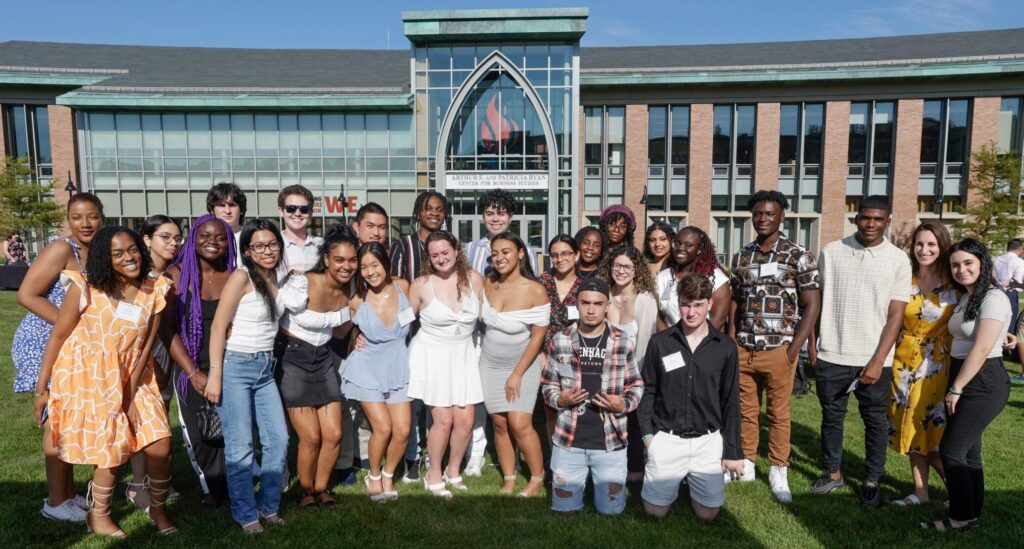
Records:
x=954, y=391
x=193, y=374
x=647, y=437
x=39, y=394
x=212, y=367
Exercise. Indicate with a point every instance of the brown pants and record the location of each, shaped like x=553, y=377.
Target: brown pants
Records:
x=769, y=372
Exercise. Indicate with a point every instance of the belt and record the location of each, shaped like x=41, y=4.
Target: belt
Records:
x=688, y=434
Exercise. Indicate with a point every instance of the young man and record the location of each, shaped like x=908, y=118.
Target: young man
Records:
x=407, y=255
x=226, y=201
x=690, y=412
x=777, y=292
x=1008, y=270
x=592, y=380
x=301, y=249
x=865, y=289
x=371, y=224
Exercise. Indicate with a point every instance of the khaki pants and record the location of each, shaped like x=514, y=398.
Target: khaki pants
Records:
x=771, y=373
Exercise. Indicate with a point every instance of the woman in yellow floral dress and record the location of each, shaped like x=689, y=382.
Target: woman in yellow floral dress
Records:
x=920, y=369
x=103, y=400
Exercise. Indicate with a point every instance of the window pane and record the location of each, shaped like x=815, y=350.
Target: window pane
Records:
x=746, y=117
x=220, y=129
x=789, y=133
x=722, y=139
x=266, y=135
x=931, y=128
x=592, y=149
x=680, y=135
x=242, y=139
x=334, y=135
x=376, y=135
x=174, y=135
x=101, y=134
x=616, y=136
x=309, y=135
x=400, y=134
x=814, y=125
x=1009, y=125
x=20, y=128
x=656, y=130
x=883, y=121
x=354, y=133
x=43, y=135
x=858, y=151
x=198, y=126
x=956, y=139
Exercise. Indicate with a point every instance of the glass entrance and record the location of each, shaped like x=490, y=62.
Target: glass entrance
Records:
x=530, y=228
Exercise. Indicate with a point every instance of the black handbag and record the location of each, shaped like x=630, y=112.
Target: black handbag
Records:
x=209, y=423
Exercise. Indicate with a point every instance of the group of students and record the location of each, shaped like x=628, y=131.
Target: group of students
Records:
x=650, y=364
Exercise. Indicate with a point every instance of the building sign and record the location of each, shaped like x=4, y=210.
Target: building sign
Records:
x=472, y=181
x=336, y=206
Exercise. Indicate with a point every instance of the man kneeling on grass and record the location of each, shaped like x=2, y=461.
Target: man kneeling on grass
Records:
x=592, y=379
x=689, y=414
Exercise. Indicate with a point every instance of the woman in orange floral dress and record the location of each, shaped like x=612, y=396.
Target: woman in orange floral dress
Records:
x=103, y=401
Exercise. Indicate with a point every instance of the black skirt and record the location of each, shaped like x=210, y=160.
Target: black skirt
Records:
x=309, y=374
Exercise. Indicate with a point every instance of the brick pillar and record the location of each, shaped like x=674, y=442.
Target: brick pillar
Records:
x=63, y=150
x=833, y=192
x=766, y=158
x=636, y=166
x=699, y=181
x=984, y=130
x=907, y=167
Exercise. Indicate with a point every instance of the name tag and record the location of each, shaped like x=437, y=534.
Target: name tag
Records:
x=673, y=361
x=573, y=312
x=768, y=269
x=128, y=311
x=405, y=316
x=947, y=298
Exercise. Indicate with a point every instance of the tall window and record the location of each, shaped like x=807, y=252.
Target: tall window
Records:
x=1010, y=135
x=870, y=153
x=732, y=156
x=27, y=134
x=944, y=154
x=800, y=149
x=604, y=157
x=668, y=157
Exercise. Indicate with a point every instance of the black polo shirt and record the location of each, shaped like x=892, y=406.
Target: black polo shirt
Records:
x=695, y=391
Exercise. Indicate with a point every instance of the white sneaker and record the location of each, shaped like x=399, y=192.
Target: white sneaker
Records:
x=66, y=511
x=748, y=472
x=778, y=480
x=474, y=468
x=80, y=501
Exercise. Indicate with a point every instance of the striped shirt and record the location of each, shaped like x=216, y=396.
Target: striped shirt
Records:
x=407, y=256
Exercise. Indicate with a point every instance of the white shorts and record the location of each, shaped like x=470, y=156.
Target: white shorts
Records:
x=670, y=459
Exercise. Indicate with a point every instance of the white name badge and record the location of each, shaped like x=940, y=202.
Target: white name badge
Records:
x=128, y=311
x=947, y=298
x=673, y=361
x=768, y=269
x=405, y=316
x=573, y=312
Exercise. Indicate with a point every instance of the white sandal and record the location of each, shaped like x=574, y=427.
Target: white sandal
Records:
x=912, y=499
x=437, y=489
x=382, y=497
x=392, y=494
x=455, y=482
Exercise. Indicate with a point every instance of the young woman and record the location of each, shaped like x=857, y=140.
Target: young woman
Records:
x=920, y=369
x=562, y=284
x=377, y=375
x=618, y=223
x=200, y=273
x=241, y=381
x=317, y=312
x=658, y=247
x=14, y=250
x=99, y=356
x=42, y=294
x=979, y=386
x=516, y=312
x=443, y=361
x=591, y=243
x=694, y=253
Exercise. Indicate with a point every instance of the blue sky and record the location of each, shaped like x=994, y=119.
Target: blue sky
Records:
x=367, y=24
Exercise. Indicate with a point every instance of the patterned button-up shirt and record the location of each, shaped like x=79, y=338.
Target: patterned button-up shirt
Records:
x=766, y=289
x=559, y=307
x=621, y=377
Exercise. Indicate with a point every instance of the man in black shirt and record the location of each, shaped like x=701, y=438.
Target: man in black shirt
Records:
x=690, y=412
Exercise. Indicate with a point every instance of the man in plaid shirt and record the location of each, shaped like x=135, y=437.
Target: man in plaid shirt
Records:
x=592, y=379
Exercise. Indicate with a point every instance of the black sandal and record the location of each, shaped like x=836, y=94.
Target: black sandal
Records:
x=947, y=525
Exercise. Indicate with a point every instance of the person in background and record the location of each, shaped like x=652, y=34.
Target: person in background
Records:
x=1008, y=270
x=777, y=291
x=689, y=414
x=562, y=284
x=658, y=247
x=591, y=377
x=42, y=294
x=104, y=403
x=920, y=368
x=14, y=250
x=226, y=202
x=371, y=224
x=693, y=253
x=301, y=250
x=866, y=283
x=408, y=255
x=592, y=244
x=979, y=387
x=618, y=223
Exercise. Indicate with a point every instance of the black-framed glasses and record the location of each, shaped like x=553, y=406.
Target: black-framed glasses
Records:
x=623, y=267
x=167, y=238
x=292, y=208
x=260, y=247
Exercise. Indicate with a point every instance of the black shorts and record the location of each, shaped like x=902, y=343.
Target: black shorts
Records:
x=309, y=374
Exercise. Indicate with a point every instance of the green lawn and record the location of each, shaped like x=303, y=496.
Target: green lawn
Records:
x=750, y=518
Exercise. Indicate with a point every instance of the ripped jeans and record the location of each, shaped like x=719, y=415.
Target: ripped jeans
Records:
x=571, y=467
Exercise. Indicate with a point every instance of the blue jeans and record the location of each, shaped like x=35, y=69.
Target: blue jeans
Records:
x=248, y=393
x=571, y=467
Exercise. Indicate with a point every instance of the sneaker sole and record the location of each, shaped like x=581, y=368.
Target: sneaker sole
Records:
x=829, y=491
x=60, y=519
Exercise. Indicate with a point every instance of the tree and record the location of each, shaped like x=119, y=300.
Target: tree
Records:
x=993, y=198
x=25, y=203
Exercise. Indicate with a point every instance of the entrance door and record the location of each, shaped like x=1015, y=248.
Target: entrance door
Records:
x=530, y=228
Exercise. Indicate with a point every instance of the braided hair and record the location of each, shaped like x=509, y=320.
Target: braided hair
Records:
x=707, y=260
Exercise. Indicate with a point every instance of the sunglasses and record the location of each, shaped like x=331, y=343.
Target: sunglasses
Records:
x=301, y=209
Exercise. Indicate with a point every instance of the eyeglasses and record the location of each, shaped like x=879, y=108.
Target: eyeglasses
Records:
x=260, y=247
x=563, y=255
x=623, y=267
x=167, y=238
x=292, y=208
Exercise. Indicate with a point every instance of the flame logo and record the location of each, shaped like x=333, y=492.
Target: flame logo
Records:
x=489, y=135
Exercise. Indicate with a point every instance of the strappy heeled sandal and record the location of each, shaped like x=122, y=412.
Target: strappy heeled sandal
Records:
x=99, y=508
x=438, y=489
x=508, y=478
x=158, y=498
x=454, y=482
x=380, y=497
x=534, y=481
x=391, y=494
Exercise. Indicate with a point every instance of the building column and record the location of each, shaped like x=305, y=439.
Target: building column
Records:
x=766, y=156
x=581, y=137
x=699, y=181
x=636, y=166
x=3, y=125
x=833, y=180
x=907, y=168
x=63, y=150
x=984, y=131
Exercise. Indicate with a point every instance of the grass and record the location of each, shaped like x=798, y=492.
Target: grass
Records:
x=750, y=518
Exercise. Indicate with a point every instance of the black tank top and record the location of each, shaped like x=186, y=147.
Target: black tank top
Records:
x=209, y=310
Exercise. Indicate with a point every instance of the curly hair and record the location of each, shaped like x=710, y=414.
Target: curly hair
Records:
x=421, y=202
x=259, y=284
x=99, y=267
x=615, y=217
x=500, y=199
x=336, y=235
x=461, y=264
x=767, y=196
x=707, y=259
x=986, y=280
x=669, y=232
x=643, y=281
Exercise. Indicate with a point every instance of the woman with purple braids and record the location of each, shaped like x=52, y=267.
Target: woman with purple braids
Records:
x=200, y=272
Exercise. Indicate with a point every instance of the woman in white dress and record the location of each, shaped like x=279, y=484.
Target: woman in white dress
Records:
x=443, y=361
x=694, y=253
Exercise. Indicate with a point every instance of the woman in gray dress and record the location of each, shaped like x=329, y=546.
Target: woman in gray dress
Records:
x=516, y=312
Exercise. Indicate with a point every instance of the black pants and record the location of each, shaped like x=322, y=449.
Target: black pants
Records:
x=207, y=457
x=833, y=381
x=982, y=400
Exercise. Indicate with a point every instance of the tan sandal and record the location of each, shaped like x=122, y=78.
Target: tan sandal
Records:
x=98, y=498
x=508, y=478
x=158, y=490
x=535, y=481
